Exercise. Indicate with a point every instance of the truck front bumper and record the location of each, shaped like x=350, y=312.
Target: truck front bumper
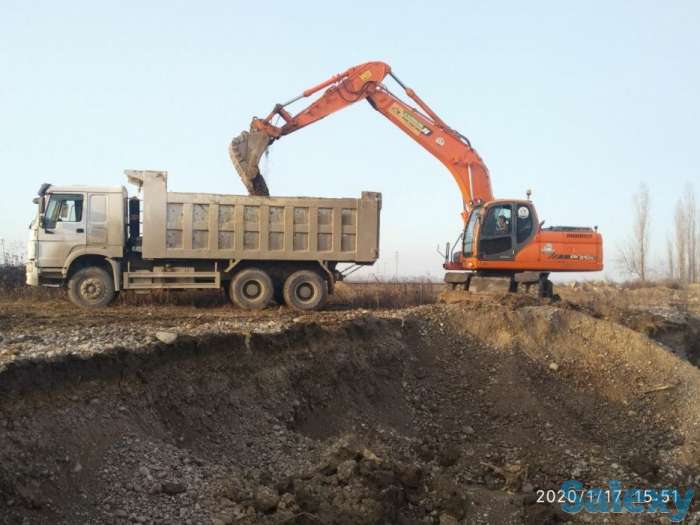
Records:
x=32, y=273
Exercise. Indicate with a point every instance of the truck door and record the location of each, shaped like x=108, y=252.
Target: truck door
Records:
x=496, y=234
x=97, y=219
x=62, y=229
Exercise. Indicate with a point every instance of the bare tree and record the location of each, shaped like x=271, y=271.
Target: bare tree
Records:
x=686, y=237
x=696, y=246
x=681, y=239
x=691, y=212
x=670, y=260
x=634, y=254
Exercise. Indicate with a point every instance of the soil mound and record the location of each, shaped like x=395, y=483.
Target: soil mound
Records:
x=436, y=414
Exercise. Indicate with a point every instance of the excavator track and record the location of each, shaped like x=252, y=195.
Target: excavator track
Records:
x=245, y=151
x=463, y=286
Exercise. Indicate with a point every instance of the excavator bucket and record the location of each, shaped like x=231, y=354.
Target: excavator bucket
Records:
x=246, y=150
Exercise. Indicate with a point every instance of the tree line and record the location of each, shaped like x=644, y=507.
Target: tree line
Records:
x=681, y=259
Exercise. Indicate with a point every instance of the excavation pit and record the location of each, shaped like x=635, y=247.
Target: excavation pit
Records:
x=451, y=412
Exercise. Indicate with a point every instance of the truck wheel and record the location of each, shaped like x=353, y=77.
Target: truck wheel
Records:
x=251, y=289
x=91, y=287
x=305, y=290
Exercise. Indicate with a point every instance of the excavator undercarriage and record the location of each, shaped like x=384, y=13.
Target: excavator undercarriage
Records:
x=466, y=281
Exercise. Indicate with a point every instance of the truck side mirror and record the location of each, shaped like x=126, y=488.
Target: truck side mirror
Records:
x=46, y=224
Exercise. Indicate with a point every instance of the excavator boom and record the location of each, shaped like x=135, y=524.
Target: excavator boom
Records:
x=364, y=82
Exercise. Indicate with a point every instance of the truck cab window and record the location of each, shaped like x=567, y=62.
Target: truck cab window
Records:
x=63, y=208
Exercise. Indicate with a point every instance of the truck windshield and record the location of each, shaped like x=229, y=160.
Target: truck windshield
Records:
x=469, y=233
x=64, y=208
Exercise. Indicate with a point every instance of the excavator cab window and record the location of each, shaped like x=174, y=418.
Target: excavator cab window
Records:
x=525, y=224
x=496, y=237
x=468, y=249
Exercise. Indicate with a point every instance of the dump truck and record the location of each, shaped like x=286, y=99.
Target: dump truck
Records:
x=98, y=241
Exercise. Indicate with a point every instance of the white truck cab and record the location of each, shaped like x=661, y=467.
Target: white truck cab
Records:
x=74, y=227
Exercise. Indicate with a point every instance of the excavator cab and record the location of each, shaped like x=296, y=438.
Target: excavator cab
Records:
x=497, y=231
x=503, y=238
x=505, y=229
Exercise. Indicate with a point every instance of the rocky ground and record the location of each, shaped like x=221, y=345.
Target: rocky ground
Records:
x=444, y=413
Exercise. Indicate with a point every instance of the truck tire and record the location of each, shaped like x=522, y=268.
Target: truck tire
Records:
x=251, y=289
x=305, y=290
x=91, y=287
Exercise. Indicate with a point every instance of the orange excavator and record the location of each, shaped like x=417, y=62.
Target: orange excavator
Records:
x=500, y=237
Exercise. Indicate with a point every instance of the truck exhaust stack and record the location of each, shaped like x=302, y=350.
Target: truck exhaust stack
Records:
x=246, y=150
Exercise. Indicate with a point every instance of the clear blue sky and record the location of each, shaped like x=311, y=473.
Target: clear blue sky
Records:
x=580, y=101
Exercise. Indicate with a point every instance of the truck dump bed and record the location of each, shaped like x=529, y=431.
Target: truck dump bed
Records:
x=238, y=227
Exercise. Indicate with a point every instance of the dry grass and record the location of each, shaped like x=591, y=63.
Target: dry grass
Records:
x=643, y=307
x=376, y=294
x=352, y=294
x=11, y=278
x=13, y=287
x=603, y=300
x=386, y=294
x=196, y=298
x=637, y=284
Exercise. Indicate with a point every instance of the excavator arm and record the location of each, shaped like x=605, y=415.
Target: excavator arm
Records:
x=364, y=82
